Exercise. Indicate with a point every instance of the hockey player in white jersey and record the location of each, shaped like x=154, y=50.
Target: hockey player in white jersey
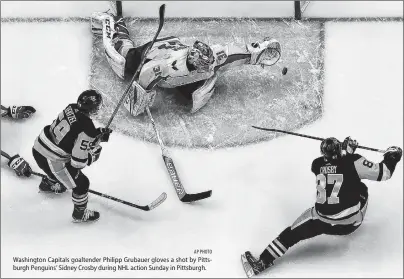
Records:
x=172, y=64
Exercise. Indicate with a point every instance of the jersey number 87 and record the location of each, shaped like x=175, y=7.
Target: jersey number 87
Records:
x=322, y=182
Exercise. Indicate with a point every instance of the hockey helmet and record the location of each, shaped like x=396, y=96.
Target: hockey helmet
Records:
x=331, y=148
x=200, y=55
x=89, y=101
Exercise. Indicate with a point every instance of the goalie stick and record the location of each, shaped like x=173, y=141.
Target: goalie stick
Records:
x=311, y=137
x=179, y=188
x=148, y=207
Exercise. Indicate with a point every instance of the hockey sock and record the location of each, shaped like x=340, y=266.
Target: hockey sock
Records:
x=80, y=201
x=273, y=251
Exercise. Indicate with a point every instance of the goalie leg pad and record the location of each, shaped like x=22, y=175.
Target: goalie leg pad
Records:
x=202, y=95
x=96, y=21
x=139, y=99
x=116, y=41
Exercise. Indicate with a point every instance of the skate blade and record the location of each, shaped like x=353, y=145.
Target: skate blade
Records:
x=76, y=221
x=247, y=267
x=50, y=192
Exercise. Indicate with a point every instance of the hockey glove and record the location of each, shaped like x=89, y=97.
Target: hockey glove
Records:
x=20, y=166
x=349, y=145
x=21, y=112
x=104, y=134
x=393, y=154
x=94, y=154
x=265, y=53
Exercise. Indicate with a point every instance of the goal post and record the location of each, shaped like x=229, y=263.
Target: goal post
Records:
x=300, y=7
x=116, y=7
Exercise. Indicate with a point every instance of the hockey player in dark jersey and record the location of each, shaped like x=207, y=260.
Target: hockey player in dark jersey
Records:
x=342, y=199
x=192, y=69
x=17, y=112
x=68, y=145
x=17, y=163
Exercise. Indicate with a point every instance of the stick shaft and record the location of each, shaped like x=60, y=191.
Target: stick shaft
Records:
x=161, y=16
x=4, y=154
x=312, y=137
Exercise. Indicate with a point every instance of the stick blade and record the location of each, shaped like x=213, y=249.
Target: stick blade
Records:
x=196, y=197
x=179, y=188
x=158, y=201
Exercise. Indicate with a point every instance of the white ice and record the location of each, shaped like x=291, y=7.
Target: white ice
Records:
x=258, y=190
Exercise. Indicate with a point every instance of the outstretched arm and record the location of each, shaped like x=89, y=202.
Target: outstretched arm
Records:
x=379, y=171
x=267, y=52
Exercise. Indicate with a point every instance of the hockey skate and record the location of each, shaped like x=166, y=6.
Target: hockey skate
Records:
x=252, y=266
x=84, y=215
x=49, y=186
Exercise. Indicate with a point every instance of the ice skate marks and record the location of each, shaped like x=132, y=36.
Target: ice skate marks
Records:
x=244, y=95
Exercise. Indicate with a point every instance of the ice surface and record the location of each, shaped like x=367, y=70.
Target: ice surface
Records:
x=257, y=190
x=244, y=95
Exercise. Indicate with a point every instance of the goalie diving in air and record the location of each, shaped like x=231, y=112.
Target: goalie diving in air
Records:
x=171, y=64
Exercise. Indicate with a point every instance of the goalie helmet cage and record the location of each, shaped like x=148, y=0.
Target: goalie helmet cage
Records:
x=116, y=7
x=300, y=7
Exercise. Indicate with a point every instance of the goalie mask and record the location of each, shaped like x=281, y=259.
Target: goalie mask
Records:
x=200, y=55
x=331, y=149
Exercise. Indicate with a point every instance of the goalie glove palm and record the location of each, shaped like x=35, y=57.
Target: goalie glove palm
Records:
x=265, y=53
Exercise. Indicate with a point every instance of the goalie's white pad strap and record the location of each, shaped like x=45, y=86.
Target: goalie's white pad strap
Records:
x=202, y=95
x=116, y=60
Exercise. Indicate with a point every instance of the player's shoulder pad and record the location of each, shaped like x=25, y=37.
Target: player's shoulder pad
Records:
x=316, y=162
x=86, y=124
x=354, y=157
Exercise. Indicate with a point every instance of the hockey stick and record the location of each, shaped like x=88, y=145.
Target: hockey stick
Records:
x=4, y=154
x=179, y=188
x=148, y=207
x=161, y=23
x=311, y=137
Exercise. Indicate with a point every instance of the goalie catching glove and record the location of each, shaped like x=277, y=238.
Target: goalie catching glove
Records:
x=265, y=53
x=20, y=166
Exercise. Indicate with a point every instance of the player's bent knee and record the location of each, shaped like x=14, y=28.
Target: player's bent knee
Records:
x=82, y=185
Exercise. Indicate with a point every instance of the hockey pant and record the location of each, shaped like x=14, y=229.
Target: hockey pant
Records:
x=310, y=225
x=66, y=175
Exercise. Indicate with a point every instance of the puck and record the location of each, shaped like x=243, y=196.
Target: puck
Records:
x=284, y=71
